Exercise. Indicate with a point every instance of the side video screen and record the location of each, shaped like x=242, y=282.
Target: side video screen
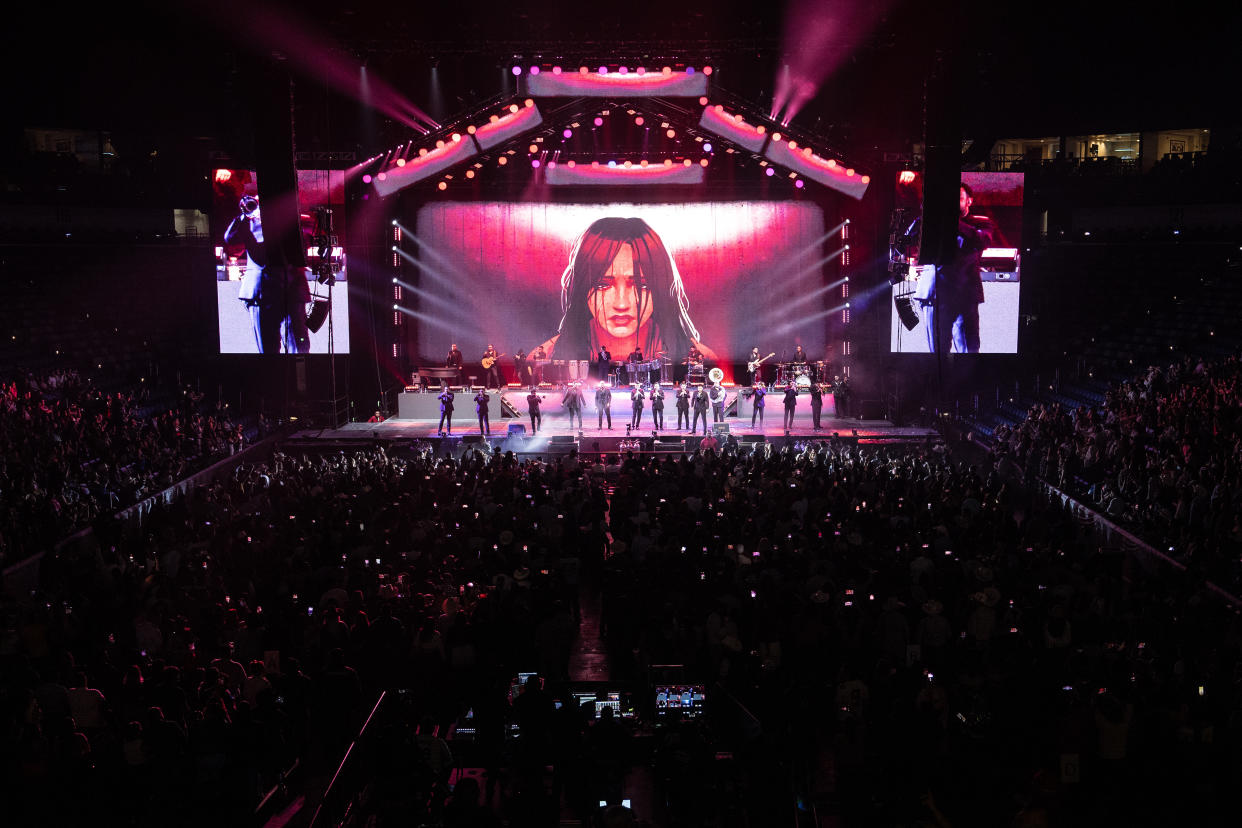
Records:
x=262, y=305
x=968, y=305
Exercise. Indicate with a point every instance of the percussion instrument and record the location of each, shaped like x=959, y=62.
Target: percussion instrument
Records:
x=802, y=380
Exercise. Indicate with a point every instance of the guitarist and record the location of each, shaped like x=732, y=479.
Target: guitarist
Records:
x=491, y=365
x=754, y=373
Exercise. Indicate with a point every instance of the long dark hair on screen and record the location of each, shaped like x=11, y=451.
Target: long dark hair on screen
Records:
x=670, y=328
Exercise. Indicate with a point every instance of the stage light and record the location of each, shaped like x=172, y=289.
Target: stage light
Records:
x=707, y=147
x=639, y=120
x=603, y=70
x=610, y=164
x=628, y=164
x=394, y=222
x=569, y=133
x=806, y=152
x=528, y=103
x=471, y=129
x=623, y=70
x=793, y=145
x=720, y=108
x=707, y=70
x=849, y=172
x=668, y=162
x=703, y=162
x=534, y=70
x=517, y=70
x=400, y=162
x=642, y=70
x=443, y=185
x=642, y=163
x=594, y=163
x=469, y=173
x=535, y=163
x=667, y=70
x=551, y=165
x=422, y=151
x=532, y=149
x=847, y=221
x=513, y=107
x=556, y=70
x=687, y=162
x=494, y=119
x=502, y=160
x=599, y=121
x=799, y=184
x=672, y=133
x=366, y=179
x=582, y=70
x=439, y=144
x=689, y=70
x=381, y=177
x=760, y=129
x=776, y=136
x=769, y=171
x=572, y=164
x=906, y=177
x=394, y=280
x=703, y=101
x=866, y=179
x=456, y=137
x=394, y=247
x=832, y=165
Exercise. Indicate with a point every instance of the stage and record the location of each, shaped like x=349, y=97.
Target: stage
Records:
x=557, y=436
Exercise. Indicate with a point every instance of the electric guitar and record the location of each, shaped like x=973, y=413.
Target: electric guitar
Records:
x=489, y=361
x=751, y=366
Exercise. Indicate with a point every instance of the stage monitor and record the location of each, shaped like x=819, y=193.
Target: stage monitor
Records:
x=262, y=308
x=722, y=276
x=976, y=294
x=680, y=701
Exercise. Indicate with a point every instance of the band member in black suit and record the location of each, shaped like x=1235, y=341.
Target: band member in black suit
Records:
x=636, y=400
x=275, y=293
x=701, y=402
x=521, y=368
x=603, y=364
x=657, y=408
x=683, y=405
x=717, y=395
x=603, y=404
x=758, y=392
x=791, y=403
x=481, y=401
x=532, y=404
x=446, y=410
x=573, y=403
x=454, y=360
x=799, y=355
x=632, y=362
x=492, y=367
x=817, y=403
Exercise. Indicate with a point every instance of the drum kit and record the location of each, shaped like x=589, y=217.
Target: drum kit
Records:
x=801, y=374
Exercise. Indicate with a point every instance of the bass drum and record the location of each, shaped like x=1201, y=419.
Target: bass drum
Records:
x=802, y=380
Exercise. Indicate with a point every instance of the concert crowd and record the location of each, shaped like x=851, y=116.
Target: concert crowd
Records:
x=914, y=641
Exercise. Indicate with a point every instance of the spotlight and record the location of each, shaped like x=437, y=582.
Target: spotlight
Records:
x=639, y=120
x=623, y=70
x=556, y=70
x=502, y=160
x=396, y=307
x=394, y=280
x=707, y=147
x=672, y=133
x=707, y=70
x=569, y=133
x=599, y=121
x=366, y=179
x=535, y=163
x=400, y=162
x=603, y=70
x=534, y=70
x=469, y=173
x=769, y=171
x=703, y=101
x=517, y=70
x=443, y=185
x=799, y=184
x=394, y=222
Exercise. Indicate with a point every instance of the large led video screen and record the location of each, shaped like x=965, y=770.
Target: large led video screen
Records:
x=263, y=308
x=722, y=277
x=968, y=305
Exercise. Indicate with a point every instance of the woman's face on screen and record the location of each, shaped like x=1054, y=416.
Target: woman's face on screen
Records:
x=617, y=296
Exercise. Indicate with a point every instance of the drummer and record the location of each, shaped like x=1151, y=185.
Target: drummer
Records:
x=799, y=356
x=694, y=364
x=634, y=365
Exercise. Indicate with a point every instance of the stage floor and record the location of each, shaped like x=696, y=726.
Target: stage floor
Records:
x=556, y=424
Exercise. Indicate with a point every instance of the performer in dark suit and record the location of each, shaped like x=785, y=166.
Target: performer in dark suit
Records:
x=683, y=406
x=603, y=364
x=603, y=404
x=480, y=406
x=493, y=369
x=791, y=403
x=636, y=400
x=951, y=310
x=752, y=375
x=573, y=403
x=717, y=396
x=701, y=402
x=446, y=409
x=759, y=392
x=817, y=403
x=454, y=360
x=532, y=404
x=657, y=408
x=273, y=291
x=521, y=368
x=799, y=355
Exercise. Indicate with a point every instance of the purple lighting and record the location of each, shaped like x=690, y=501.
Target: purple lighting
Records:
x=535, y=163
x=707, y=147
x=799, y=184
x=599, y=121
x=769, y=171
x=534, y=70
x=366, y=179
x=569, y=133
x=517, y=70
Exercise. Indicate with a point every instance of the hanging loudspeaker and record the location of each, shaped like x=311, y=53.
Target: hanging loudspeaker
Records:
x=318, y=314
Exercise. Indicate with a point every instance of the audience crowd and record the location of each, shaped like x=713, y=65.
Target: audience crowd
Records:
x=71, y=453
x=897, y=638
x=1162, y=455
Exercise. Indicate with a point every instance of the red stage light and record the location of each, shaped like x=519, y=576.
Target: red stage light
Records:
x=672, y=133
x=703, y=101
x=642, y=163
x=720, y=108
x=443, y=185
x=366, y=179
x=582, y=70
x=667, y=70
x=707, y=70
x=639, y=120
x=223, y=175
x=594, y=163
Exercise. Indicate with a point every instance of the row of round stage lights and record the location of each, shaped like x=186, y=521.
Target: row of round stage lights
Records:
x=667, y=71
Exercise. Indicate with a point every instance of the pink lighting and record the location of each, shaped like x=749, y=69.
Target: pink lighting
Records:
x=707, y=70
x=703, y=162
x=624, y=174
x=603, y=70
x=603, y=83
x=623, y=70
x=510, y=126
x=639, y=120
x=556, y=70
x=672, y=133
x=906, y=177
x=719, y=122
x=535, y=163
x=799, y=184
x=599, y=121
x=769, y=172
x=641, y=70
x=703, y=101
x=569, y=133
x=825, y=171
x=534, y=70
x=381, y=177
x=366, y=179
x=517, y=70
